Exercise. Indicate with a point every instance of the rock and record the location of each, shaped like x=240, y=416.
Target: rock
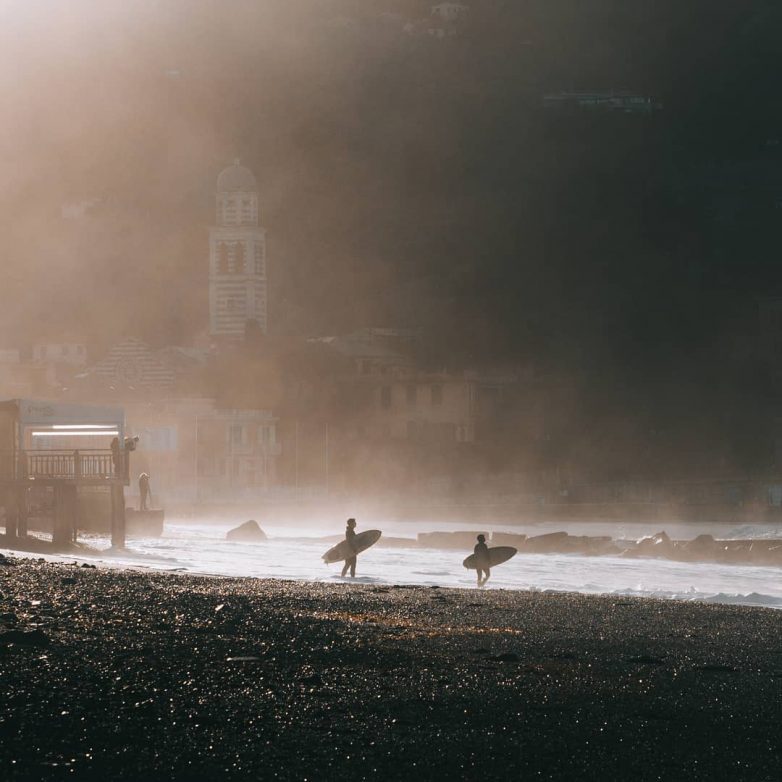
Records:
x=765, y=552
x=604, y=549
x=4, y=560
x=658, y=545
x=66, y=581
x=552, y=543
x=702, y=547
x=24, y=638
x=86, y=564
x=9, y=618
x=507, y=539
x=249, y=532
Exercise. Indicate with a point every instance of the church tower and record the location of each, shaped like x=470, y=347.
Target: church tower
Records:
x=237, y=257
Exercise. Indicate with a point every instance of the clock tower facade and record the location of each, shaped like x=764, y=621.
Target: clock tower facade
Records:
x=237, y=257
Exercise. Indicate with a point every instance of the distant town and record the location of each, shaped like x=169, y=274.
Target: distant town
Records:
x=239, y=416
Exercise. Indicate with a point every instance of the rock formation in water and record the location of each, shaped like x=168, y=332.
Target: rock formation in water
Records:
x=249, y=532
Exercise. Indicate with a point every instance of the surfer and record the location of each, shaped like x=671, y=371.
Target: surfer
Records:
x=350, y=534
x=481, y=552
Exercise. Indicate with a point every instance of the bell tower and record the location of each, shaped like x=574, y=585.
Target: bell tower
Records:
x=237, y=257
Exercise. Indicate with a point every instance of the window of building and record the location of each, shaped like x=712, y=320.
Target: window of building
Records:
x=385, y=397
x=238, y=434
x=412, y=394
x=265, y=435
x=159, y=438
x=238, y=258
x=437, y=395
x=223, y=260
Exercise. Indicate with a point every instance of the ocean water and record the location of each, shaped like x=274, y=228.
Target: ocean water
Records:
x=294, y=552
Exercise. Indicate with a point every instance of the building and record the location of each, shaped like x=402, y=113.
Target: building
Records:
x=450, y=12
x=197, y=452
x=20, y=378
x=130, y=364
x=71, y=353
x=373, y=351
x=434, y=408
x=237, y=257
x=51, y=448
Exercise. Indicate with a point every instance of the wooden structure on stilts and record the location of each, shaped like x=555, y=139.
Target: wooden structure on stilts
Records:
x=62, y=447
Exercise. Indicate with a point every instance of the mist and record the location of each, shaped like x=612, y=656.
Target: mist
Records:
x=390, y=389
x=611, y=261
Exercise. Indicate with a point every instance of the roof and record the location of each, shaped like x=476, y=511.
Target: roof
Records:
x=236, y=178
x=132, y=363
x=43, y=412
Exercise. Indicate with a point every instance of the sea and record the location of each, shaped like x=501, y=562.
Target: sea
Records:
x=293, y=551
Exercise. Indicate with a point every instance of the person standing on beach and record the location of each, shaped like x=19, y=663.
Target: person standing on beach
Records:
x=116, y=458
x=350, y=535
x=481, y=552
x=145, y=495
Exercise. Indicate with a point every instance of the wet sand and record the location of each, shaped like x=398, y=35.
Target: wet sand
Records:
x=110, y=674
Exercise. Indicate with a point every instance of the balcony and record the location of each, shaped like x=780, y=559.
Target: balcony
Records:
x=89, y=466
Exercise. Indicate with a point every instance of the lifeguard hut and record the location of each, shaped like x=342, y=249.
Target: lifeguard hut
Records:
x=62, y=447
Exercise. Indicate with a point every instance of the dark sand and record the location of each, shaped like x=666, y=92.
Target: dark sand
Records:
x=140, y=676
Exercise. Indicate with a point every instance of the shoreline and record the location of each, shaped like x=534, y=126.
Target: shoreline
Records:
x=143, y=675
x=750, y=593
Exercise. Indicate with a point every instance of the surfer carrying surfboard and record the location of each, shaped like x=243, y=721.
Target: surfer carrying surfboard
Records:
x=350, y=536
x=481, y=552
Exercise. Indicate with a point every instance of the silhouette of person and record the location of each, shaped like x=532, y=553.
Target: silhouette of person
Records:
x=115, y=455
x=350, y=535
x=145, y=495
x=481, y=552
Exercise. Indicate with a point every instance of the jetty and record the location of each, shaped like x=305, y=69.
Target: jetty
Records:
x=51, y=450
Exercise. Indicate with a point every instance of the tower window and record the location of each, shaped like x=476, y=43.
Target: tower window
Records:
x=238, y=258
x=437, y=395
x=223, y=261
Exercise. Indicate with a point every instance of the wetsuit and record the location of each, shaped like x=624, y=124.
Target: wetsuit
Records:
x=481, y=552
x=350, y=535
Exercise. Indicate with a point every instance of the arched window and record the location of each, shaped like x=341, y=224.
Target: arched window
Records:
x=223, y=259
x=238, y=258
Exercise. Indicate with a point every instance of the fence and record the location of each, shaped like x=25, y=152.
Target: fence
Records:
x=68, y=465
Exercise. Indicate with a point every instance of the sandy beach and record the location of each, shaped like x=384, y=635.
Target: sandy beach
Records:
x=122, y=674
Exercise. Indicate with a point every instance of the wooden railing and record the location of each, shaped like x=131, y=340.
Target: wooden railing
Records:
x=69, y=465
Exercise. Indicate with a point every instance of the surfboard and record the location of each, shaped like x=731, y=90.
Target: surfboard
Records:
x=497, y=556
x=361, y=542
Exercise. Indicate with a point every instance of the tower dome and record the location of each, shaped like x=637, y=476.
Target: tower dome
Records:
x=236, y=178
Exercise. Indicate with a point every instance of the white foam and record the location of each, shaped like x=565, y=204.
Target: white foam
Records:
x=202, y=548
